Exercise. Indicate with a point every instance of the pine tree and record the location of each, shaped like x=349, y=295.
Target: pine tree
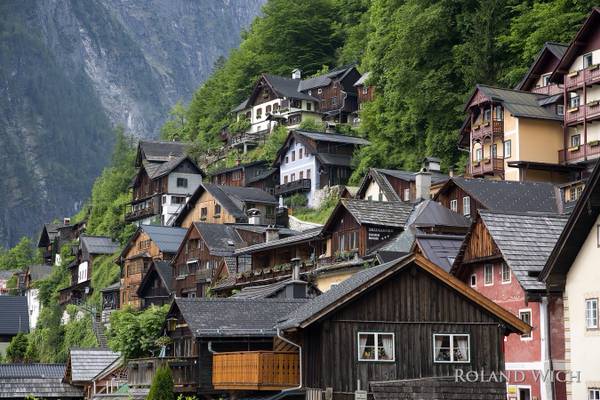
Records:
x=162, y=385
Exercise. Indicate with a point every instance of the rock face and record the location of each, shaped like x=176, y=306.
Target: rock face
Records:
x=70, y=71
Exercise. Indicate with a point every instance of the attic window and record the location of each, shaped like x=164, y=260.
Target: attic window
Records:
x=319, y=91
x=546, y=80
x=182, y=182
x=587, y=60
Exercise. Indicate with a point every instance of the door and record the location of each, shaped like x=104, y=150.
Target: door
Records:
x=524, y=394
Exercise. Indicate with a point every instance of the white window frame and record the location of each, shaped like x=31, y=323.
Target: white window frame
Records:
x=546, y=80
x=526, y=387
x=526, y=337
x=504, y=268
x=575, y=140
x=466, y=206
x=473, y=280
x=485, y=282
x=376, y=339
x=591, y=55
x=589, y=318
x=454, y=205
x=406, y=194
x=593, y=393
x=507, y=145
x=452, y=335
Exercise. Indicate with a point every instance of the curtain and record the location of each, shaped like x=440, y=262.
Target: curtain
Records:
x=438, y=348
x=387, y=341
x=463, y=347
x=362, y=345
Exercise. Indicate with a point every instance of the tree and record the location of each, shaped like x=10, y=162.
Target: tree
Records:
x=15, y=352
x=162, y=385
x=20, y=256
x=174, y=127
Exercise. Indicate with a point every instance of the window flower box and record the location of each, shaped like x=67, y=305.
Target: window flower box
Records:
x=572, y=110
x=593, y=67
x=573, y=74
x=573, y=149
x=477, y=127
x=487, y=160
x=486, y=123
x=594, y=143
x=593, y=103
x=476, y=164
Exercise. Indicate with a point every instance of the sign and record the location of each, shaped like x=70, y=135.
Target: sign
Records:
x=360, y=395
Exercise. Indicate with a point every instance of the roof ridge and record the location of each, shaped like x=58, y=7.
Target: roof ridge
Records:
x=512, y=90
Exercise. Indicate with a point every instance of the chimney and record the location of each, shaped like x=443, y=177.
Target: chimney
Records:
x=423, y=185
x=451, y=172
x=254, y=216
x=296, y=74
x=295, y=269
x=432, y=164
x=271, y=234
x=66, y=221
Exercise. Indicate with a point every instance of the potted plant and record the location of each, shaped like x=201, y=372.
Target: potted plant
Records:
x=593, y=103
x=573, y=148
x=594, y=143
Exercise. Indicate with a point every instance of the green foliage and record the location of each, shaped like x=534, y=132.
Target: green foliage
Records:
x=296, y=200
x=135, y=333
x=312, y=124
x=15, y=352
x=173, y=129
x=319, y=215
x=162, y=385
x=239, y=126
x=104, y=273
x=20, y=256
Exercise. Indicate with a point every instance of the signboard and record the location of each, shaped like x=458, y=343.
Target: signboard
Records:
x=82, y=272
x=360, y=395
x=378, y=234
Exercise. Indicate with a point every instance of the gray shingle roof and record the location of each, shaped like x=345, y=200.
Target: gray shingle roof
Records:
x=520, y=103
x=36, y=370
x=287, y=87
x=43, y=388
x=85, y=364
x=161, y=151
x=326, y=78
x=98, y=244
x=512, y=196
x=38, y=272
x=112, y=288
x=440, y=249
x=333, y=137
x=233, y=198
x=241, y=106
x=304, y=236
x=525, y=241
x=261, y=291
x=7, y=274
x=234, y=317
x=342, y=160
x=167, y=238
x=383, y=213
x=165, y=271
x=220, y=239
x=429, y=213
x=15, y=315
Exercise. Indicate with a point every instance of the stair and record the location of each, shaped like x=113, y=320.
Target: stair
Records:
x=98, y=328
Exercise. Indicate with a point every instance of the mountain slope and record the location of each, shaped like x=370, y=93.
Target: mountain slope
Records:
x=70, y=71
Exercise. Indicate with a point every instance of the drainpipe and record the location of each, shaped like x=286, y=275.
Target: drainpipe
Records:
x=547, y=388
x=299, y=360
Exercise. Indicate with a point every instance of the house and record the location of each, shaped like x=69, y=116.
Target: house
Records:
x=95, y=371
x=156, y=287
x=258, y=174
x=54, y=236
x=32, y=274
x=218, y=204
x=310, y=161
x=81, y=269
x=571, y=276
x=397, y=185
x=15, y=319
x=579, y=75
x=42, y=381
x=5, y=277
x=501, y=258
x=537, y=78
x=147, y=244
x=111, y=300
x=164, y=181
x=466, y=196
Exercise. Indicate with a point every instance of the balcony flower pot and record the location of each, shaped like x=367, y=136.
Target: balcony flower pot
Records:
x=487, y=161
x=572, y=110
x=593, y=103
x=574, y=148
x=573, y=74
x=594, y=143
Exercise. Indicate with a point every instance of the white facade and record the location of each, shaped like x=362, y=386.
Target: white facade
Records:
x=82, y=272
x=180, y=188
x=33, y=306
x=299, y=164
x=374, y=192
x=259, y=114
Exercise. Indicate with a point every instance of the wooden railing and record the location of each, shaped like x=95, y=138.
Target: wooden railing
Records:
x=143, y=213
x=487, y=166
x=488, y=128
x=590, y=150
x=140, y=372
x=252, y=137
x=550, y=90
x=300, y=185
x=586, y=76
x=256, y=370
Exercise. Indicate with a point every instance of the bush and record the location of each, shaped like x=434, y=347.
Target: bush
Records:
x=162, y=385
x=296, y=200
x=15, y=352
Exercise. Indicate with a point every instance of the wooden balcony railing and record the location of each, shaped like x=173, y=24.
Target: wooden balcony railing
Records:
x=251, y=137
x=140, y=372
x=488, y=128
x=143, y=213
x=580, y=153
x=300, y=185
x=256, y=370
x=585, y=111
x=487, y=166
x=588, y=76
x=549, y=90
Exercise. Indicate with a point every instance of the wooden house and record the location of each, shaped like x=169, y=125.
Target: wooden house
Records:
x=157, y=285
x=501, y=258
x=257, y=174
x=309, y=161
x=147, y=244
x=466, y=196
x=218, y=204
x=54, y=236
x=111, y=300
x=571, y=275
x=41, y=381
x=164, y=181
x=537, y=78
x=81, y=269
x=365, y=92
x=94, y=370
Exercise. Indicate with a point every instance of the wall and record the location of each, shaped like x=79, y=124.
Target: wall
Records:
x=208, y=201
x=374, y=192
x=308, y=161
x=540, y=140
x=33, y=305
x=584, y=345
x=511, y=132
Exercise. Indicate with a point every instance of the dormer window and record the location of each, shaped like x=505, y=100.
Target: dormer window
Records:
x=587, y=60
x=546, y=80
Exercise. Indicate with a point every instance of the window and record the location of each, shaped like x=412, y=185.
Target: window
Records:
x=380, y=196
x=560, y=109
x=494, y=150
x=217, y=210
x=268, y=109
x=574, y=102
x=406, y=194
x=182, y=182
x=575, y=140
x=487, y=115
x=507, y=149
x=466, y=206
x=177, y=200
x=594, y=394
x=375, y=346
x=334, y=100
x=308, y=173
x=287, y=159
x=301, y=175
x=164, y=200
x=591, y=313
x=293, y=177
x=300, y=153
x=505, y=273
x=488, y=274
x=365, y=90
x=293, y=155
x=203, y=213
x=499, y=113
x=319, y=90
x=454, y=205
x=308, y=106
x=525, y=316
x=473, y=280
x=285, y=179
x=258, y=113
x=478, y=154
x=451, y=348
x=545, y=80
x=587, y=60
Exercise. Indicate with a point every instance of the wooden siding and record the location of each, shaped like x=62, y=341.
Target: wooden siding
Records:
x=456, y=193
x=207, y=201
x=413, y=305
x=480, y=243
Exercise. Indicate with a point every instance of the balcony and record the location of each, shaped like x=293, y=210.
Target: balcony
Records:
x=494, y=166
x=549, y=90
x=588, y=111
x=495, y=128
x=251, y=138
x=256, y=370
x=185, y=372
x=579, y=153
x=297, y=186
x=149, y=211
x=588, y=76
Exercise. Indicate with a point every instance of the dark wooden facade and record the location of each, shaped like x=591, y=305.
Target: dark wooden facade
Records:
x=412, y=305
x=452, y=192
x=153, y=290
x=338, y=99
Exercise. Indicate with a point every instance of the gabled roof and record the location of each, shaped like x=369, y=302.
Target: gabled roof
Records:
x=15, y=315
x=84, y=364
x=156, y=170
x=221, y=240
x=555, y=50
x=431, y=214
x=581, y=39
x=359, y=283
x=393, y=214
x=98, y=244
x=287, y=87
x=363, y=79
x=518, y=103
x=440, y=249
x=510, y=196
x=167, y=238
x=266, y=291
x=49, y=232
x=326, y=78
x=230, y=317
x=158, y=151
x=39, y=380
x=380, y=176
x=164, y=270
x=305, y=236
x=525, y=241
x=577, y=228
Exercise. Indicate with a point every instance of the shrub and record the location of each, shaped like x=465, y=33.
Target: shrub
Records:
x=162, y=385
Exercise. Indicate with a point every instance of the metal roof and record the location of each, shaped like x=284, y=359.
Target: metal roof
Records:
x=525, y=241
x=442, y=250
x=98, y=244
x=332, y=137
x=429, y=213
x=15, y=315
x=520, y=103
x=85, y=364
x=301, y=237
x=167, y=238
x=220, y=239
